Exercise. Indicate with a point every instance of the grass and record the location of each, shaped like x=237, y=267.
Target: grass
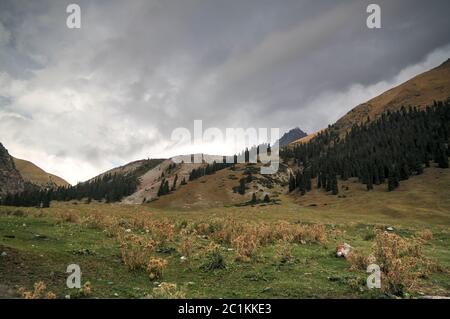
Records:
x=41, y=243
x=218, y=250
x=36, y=175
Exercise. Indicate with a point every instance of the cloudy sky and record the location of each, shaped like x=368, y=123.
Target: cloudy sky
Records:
x=79, y=101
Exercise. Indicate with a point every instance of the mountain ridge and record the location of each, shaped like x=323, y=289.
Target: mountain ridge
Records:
x=419, y=91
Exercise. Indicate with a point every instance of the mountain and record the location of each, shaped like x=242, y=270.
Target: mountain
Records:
x=138, y=167
x=10, y=179
x=306, y=138
x=420, y=91
x=35, y=175
x=291, y=136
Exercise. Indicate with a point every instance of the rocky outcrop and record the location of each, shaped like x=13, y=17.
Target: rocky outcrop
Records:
x=10, y=179
x=291, y=136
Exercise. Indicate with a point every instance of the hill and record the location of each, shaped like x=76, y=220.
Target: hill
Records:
x=35, y=175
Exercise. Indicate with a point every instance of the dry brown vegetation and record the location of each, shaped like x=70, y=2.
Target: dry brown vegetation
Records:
x=155, y=268
x=139, y=237
x=167, y=290
x=214, y=244
x=425, y=235
x=39, y=292
x=401, y=260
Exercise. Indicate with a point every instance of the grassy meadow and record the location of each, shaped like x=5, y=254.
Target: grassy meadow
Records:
x=278, y=250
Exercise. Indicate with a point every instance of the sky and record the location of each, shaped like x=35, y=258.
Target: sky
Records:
x=77, y=102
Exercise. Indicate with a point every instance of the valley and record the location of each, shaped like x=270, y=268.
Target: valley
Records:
x=376, y=181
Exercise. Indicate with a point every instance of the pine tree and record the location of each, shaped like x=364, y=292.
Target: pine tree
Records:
x=241, y=189
x=441, y=157
x=334, y=185
x=174, y=185
x=291, y=183
x=392, y=179
x=253, y=198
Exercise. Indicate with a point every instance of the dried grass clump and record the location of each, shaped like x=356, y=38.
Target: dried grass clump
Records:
x=155, y=268
x=136, y=250
x=69, y=217
x=39, y=292
x=86, y=289
x=298, y=233
x=359, y=261
x=186, y=248
x=226, y=230
x=167, y=290
x=425, y=235
x=284, y=231
x=401, y=261
x=246, y=246
x=162, y=231
x=309, y=233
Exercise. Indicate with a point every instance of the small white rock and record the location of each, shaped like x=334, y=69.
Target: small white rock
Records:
x=4, y=254
x=128, y=230
x=390, y=228
x=67, y=296
x=183, y=258
x=116, y=294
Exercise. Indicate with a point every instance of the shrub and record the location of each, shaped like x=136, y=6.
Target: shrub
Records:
x=187, y=246
x=136, y=250
x=425, y=235
x=84, y=291
x=155, y=268
x=358, y=261
x=213, y=259
x=39, y=292
x=246, y=246
x=401, y=262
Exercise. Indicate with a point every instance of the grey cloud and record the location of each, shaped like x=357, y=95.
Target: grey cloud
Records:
x=115, y=89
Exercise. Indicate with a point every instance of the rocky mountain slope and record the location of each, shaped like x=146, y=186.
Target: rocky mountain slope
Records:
x=291, y=136
x=10, y=179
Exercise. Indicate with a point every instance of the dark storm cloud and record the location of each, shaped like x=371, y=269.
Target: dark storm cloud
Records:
x=115, y=89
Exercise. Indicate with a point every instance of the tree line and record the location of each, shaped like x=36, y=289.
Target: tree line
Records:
x=388, y=150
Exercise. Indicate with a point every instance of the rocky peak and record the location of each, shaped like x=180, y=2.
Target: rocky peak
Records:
x=10, y=179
